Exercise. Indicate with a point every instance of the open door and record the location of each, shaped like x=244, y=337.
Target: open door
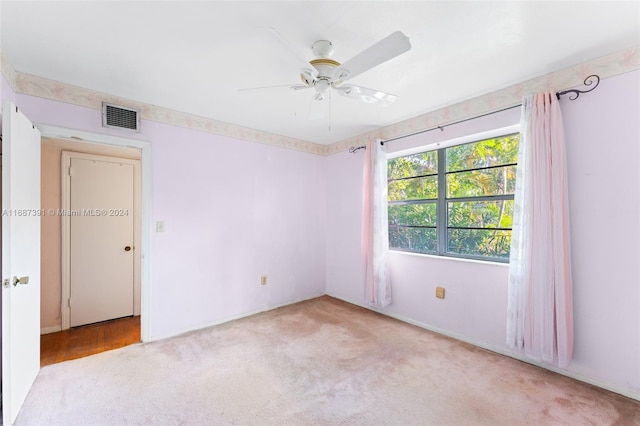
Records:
x=20, y=259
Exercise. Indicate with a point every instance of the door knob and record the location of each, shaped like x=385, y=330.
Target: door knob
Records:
x=21, y=280
x=127, y=248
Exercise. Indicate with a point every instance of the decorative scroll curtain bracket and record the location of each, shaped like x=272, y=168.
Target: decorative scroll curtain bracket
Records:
x=590, y=80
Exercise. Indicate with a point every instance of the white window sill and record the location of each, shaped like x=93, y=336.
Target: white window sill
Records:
x=449, y=258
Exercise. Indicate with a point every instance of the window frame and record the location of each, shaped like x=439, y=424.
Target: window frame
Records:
x=442, y=201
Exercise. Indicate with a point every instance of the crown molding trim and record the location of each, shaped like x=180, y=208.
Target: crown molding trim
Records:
x=606, y=66
x=31, y=85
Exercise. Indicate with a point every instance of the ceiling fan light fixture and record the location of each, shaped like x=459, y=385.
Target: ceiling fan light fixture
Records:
x=341, y=75
x=308, y=76
x=322, y=85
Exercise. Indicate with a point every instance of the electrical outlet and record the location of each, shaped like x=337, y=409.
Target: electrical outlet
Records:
x=263, y=280
x=440, y=292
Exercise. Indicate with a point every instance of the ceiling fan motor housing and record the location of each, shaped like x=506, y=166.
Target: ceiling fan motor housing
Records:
x=326, y=71
x=326, y=67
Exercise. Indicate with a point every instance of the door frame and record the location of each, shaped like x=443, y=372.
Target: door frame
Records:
x=65, y=228
x=56, y=132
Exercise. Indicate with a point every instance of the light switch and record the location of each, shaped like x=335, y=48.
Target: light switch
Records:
x=160, y=226
x=440, y=292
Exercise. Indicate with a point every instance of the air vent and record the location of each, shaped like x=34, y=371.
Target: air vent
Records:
x=118, y=117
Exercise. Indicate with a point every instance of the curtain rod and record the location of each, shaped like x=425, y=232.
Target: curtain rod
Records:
x=575, y=93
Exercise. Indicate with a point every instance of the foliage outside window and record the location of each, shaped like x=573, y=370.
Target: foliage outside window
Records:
x=455, y=201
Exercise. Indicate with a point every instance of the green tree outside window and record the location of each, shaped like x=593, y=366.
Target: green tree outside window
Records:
x=474, y=182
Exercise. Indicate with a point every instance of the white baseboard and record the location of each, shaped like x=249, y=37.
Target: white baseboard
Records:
x=604, y=385
x=52, y=329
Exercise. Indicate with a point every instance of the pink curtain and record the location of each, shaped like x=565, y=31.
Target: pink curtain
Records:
x=540, y=310
x=375, y=233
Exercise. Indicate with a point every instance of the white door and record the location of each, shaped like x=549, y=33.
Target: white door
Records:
x=101, y=240
x=20, y=259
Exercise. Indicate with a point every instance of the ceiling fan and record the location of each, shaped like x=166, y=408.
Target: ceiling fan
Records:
x=325, y=74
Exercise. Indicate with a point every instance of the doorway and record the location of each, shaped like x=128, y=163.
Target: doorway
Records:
x=100, y=237
x=86, y=326
x=21, y=349
x=79, y=342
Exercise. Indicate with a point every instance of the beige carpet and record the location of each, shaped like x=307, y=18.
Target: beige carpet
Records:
x=321, y=362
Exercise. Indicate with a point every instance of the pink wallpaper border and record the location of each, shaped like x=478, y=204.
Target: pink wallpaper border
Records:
x=8, y=71
x=606, y=66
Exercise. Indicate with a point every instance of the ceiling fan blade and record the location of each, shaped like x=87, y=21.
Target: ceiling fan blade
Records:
x=384, y=50
x=320, y=104
x=292, y=86
x=302, y=64
x=369, y=96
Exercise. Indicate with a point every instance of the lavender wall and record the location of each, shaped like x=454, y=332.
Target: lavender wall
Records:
x=233, y=211
x=603, y=151
x=6, y=92
x=603, y=135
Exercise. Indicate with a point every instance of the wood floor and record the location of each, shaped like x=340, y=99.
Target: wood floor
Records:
x=89, y=339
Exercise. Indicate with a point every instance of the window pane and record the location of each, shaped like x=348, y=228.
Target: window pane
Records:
x=474, y=176
x=413, y=214
x=490, y=152
x=480, y=242
x=481, y=214
x=423, y=240
x=501, y=180
x=424, y=163
x=424, y=188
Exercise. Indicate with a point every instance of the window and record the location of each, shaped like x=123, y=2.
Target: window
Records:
x=455, y=201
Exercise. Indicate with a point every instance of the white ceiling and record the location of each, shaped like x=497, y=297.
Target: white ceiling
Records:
x=194, y=56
